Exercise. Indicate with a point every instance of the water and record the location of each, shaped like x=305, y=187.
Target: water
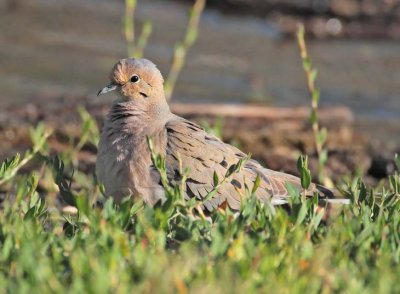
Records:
x=52, y=49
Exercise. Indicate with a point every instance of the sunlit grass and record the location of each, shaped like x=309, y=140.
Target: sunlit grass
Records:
x=86, y=247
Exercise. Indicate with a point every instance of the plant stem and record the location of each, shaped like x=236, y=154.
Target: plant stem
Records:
x=129, y=26
x=182, y=48
x=320, y=135
x=27, y=157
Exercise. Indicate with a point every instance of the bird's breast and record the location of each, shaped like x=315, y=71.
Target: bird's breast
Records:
x=118, y=164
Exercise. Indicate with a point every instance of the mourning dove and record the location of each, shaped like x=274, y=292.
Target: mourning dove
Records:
x=124, y=163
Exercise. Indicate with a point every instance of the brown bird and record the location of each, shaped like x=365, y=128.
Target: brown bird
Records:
x=124, y=163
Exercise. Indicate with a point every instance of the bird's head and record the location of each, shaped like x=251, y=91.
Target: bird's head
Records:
x=135, y=79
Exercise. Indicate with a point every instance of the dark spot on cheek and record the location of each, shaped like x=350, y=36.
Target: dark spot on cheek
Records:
x=143, y=94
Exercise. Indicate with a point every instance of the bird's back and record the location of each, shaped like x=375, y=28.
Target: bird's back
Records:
x=190, y=147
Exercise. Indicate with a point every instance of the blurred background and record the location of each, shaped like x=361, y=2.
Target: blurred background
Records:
x=56, y=55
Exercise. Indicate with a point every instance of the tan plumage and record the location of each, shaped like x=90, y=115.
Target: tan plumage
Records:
x=124, y=164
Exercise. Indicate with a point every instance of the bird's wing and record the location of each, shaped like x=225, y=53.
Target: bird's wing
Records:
x=190, y=147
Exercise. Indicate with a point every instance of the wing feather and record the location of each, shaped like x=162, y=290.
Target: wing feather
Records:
x=190, y=147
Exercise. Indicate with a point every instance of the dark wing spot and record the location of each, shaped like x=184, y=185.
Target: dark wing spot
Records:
x=199, y=158
x=190, y=180
x=193, y=128
x=265, y=178
x=236, y=184
x=224, y=163
x=171, y=131
x=209, y=138
x=193, y=125
x=190, y=193
x=174, y=157
x=177, y=176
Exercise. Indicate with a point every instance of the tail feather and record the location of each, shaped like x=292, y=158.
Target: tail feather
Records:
x=331, y=195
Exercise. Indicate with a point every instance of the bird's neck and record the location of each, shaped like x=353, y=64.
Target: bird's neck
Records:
x=133, y=117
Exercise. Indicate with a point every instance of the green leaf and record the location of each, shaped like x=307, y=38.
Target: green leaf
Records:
x=305, y=174
x=316, y=220
x=30, y=213
x=302, y=213
x=322, y=136
x=136, y=207
x=323, y=157
x=37, y=134
x=305, y=178
x=215, y=179
x=313, y=75
x=7, y=247
x=315, y=96
x=292, y=190
x=307, y=64
x=82, y=203
x=313, y=116
x=9, y=164
x=256, y=185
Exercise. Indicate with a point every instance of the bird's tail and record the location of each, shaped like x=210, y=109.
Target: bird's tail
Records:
x=332, y=196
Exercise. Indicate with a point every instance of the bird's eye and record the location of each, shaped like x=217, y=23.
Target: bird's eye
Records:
x=135, y=79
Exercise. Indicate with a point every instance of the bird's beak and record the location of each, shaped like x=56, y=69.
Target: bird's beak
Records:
x=109, y=88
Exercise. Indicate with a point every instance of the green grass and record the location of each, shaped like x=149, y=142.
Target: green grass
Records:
x=169, y=248
x=87, y=244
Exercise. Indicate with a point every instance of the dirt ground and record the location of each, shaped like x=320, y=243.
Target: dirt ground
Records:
x=55, y=55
